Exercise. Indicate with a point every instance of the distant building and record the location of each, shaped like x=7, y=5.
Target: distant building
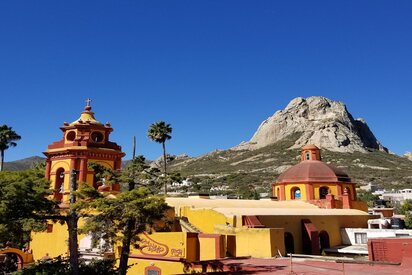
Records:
x=316, y=182
x=397, y=197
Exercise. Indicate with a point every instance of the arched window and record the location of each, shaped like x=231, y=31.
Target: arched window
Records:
x=289, y=243
x=323, y=240
x=323, y=191
x=59, y=184
x=295, y=193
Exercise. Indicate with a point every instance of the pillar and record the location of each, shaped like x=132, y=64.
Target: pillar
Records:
x=346, y=200
x=282, y=195
x=48, y=168
x=83, y=170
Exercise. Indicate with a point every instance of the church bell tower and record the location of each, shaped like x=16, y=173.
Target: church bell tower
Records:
x=84, y=140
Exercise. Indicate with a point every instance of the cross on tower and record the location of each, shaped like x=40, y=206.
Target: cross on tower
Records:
x=88, y=102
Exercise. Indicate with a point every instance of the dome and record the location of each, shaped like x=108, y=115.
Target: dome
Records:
x=87, y=116
x=313, y=171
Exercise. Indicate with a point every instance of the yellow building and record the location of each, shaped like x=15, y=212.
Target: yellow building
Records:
x=84, y=140
x=208, y=230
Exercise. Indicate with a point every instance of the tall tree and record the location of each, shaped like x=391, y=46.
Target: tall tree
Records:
x=130, y=213
x=160, y=132
x=7, y=140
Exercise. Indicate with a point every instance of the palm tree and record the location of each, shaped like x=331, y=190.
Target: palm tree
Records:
x=7, y=138
x=160, y=132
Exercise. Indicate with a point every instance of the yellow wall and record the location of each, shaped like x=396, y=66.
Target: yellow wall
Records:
x=164, y=244
x=330, y=224
x=332, y=187
x=207, y=249
x=288, y=188
x=53, y=243
x=205, y=219
x=316, y=186
x=166, y=267
x=255, y=242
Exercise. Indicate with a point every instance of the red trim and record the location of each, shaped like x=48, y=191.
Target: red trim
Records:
x=162, y=258
x=48, y=169
x=83, y=169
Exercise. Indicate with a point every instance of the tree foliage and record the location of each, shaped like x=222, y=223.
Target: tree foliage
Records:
x=113, y=214
x=160, y=132
x=23, y=203
x=7, y=140
x=138, y=173
x=404, y=208
x=367, y=197
x=61, y=266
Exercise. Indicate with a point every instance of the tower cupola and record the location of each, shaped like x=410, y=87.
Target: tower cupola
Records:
x=310, y=152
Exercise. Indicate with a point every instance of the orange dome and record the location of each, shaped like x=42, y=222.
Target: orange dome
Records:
x=313, y=171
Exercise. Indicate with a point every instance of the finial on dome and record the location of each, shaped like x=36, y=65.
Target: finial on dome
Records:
x=88, y=107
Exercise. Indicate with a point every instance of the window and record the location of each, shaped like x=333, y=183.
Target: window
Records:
x=152, y=270
x=97, y=137
x=361, y=238
x=323, y=191
x=71, y=135
x=295, y=193
x=49, y=228
x=307, y=155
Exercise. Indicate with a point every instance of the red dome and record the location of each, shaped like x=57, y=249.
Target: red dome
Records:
x=313, y=171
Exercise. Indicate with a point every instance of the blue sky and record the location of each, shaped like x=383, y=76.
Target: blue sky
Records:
x=214, y=70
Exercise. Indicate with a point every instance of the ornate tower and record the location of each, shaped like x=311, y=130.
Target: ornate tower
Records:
x=84, y=140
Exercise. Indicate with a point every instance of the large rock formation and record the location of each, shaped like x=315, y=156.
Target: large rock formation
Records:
x=319, y=121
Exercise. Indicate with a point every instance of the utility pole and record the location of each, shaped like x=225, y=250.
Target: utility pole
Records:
x=72, y=219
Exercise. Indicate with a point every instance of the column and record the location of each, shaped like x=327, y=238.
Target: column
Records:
x=83, y=170
x=48, y=169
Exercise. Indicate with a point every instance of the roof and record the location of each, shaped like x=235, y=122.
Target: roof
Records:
x=87, y=116
x=258, y=207
x=313, y=171
x=310, y=147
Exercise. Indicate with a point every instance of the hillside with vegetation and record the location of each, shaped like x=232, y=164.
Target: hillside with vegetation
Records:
x=247, y=170
x=22, y=164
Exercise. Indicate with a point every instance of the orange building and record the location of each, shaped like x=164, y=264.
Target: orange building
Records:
x=85, y=140
x=319, y=183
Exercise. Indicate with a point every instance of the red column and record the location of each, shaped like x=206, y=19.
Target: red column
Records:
x=73, y=164
x=340, y=189
x=309, y=191
x=48, y=169
x=83, y=170
x=282, y=195
x=346, y=200
x=117, y=164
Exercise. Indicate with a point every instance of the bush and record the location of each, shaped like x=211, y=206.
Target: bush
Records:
x=61, y=266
